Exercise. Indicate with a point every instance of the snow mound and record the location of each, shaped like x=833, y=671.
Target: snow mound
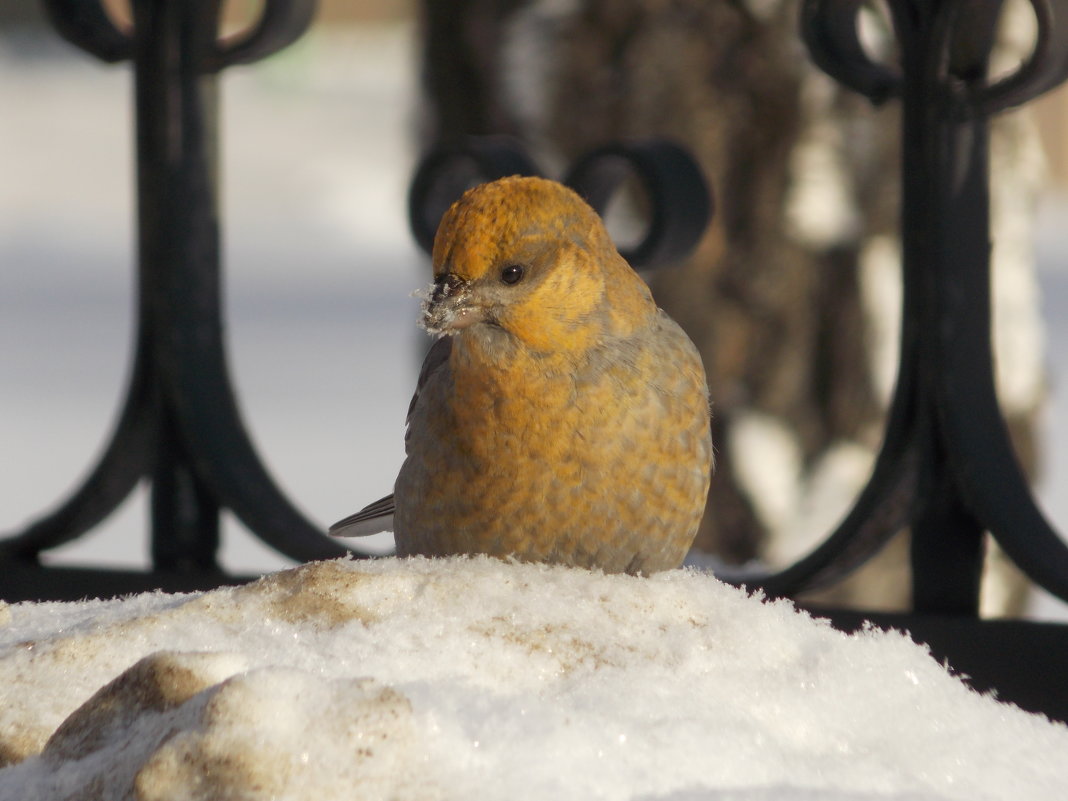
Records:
x=471, y=677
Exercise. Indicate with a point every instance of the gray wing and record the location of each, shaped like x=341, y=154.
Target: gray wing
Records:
x=436, y=358
x=378, y=516
x=371, y=519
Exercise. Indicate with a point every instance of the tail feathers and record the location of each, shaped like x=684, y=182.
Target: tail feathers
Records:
x=372, y=519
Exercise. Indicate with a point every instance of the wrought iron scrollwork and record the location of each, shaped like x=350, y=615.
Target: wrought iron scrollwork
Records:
x=679, y=200
x=947, y=468
x=180, y=426
x=444, y=174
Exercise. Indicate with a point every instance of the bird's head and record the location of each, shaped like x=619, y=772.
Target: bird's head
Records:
x=529, y=258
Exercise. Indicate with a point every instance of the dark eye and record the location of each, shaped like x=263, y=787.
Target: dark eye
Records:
x=512, y=274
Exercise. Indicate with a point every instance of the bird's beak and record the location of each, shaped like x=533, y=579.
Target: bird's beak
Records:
x=448, y=307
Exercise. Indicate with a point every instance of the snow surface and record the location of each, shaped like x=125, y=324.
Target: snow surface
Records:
x=475, y=678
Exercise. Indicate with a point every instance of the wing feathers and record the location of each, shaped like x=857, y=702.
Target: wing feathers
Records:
x=372, y=519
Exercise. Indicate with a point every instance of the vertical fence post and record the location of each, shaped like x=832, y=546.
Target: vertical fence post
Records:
x=178, y=238
x=945, y=234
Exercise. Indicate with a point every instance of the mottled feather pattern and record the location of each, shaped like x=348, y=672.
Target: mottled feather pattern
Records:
x=567, y=418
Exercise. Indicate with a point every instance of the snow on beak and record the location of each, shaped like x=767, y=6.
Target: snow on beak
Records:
x=447, y=306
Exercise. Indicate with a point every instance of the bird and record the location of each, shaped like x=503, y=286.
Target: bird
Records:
x=560, y=416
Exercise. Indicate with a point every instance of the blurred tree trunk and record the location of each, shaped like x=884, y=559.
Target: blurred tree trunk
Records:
x=786, y=296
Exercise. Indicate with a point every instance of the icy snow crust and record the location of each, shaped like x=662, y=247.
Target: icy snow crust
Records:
x=473, y=678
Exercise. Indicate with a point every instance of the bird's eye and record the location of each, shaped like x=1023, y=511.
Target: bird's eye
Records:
x=512, y=274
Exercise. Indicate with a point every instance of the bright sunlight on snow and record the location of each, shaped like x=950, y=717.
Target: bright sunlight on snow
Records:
x=474, y=678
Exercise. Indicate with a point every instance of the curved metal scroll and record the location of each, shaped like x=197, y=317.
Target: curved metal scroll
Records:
x=88, y=26
x=124, y=462
x=281, y=23
x=679, y=199
x=830, y=30
x=947, y=466
x=445, y=173
x=180, y=425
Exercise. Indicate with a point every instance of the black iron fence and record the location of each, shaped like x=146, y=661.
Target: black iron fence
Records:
x=946, y=468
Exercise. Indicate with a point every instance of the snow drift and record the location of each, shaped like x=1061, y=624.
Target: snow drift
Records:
x=473, y=678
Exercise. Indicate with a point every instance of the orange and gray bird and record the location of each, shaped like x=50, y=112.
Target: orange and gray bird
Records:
x=560, y=416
